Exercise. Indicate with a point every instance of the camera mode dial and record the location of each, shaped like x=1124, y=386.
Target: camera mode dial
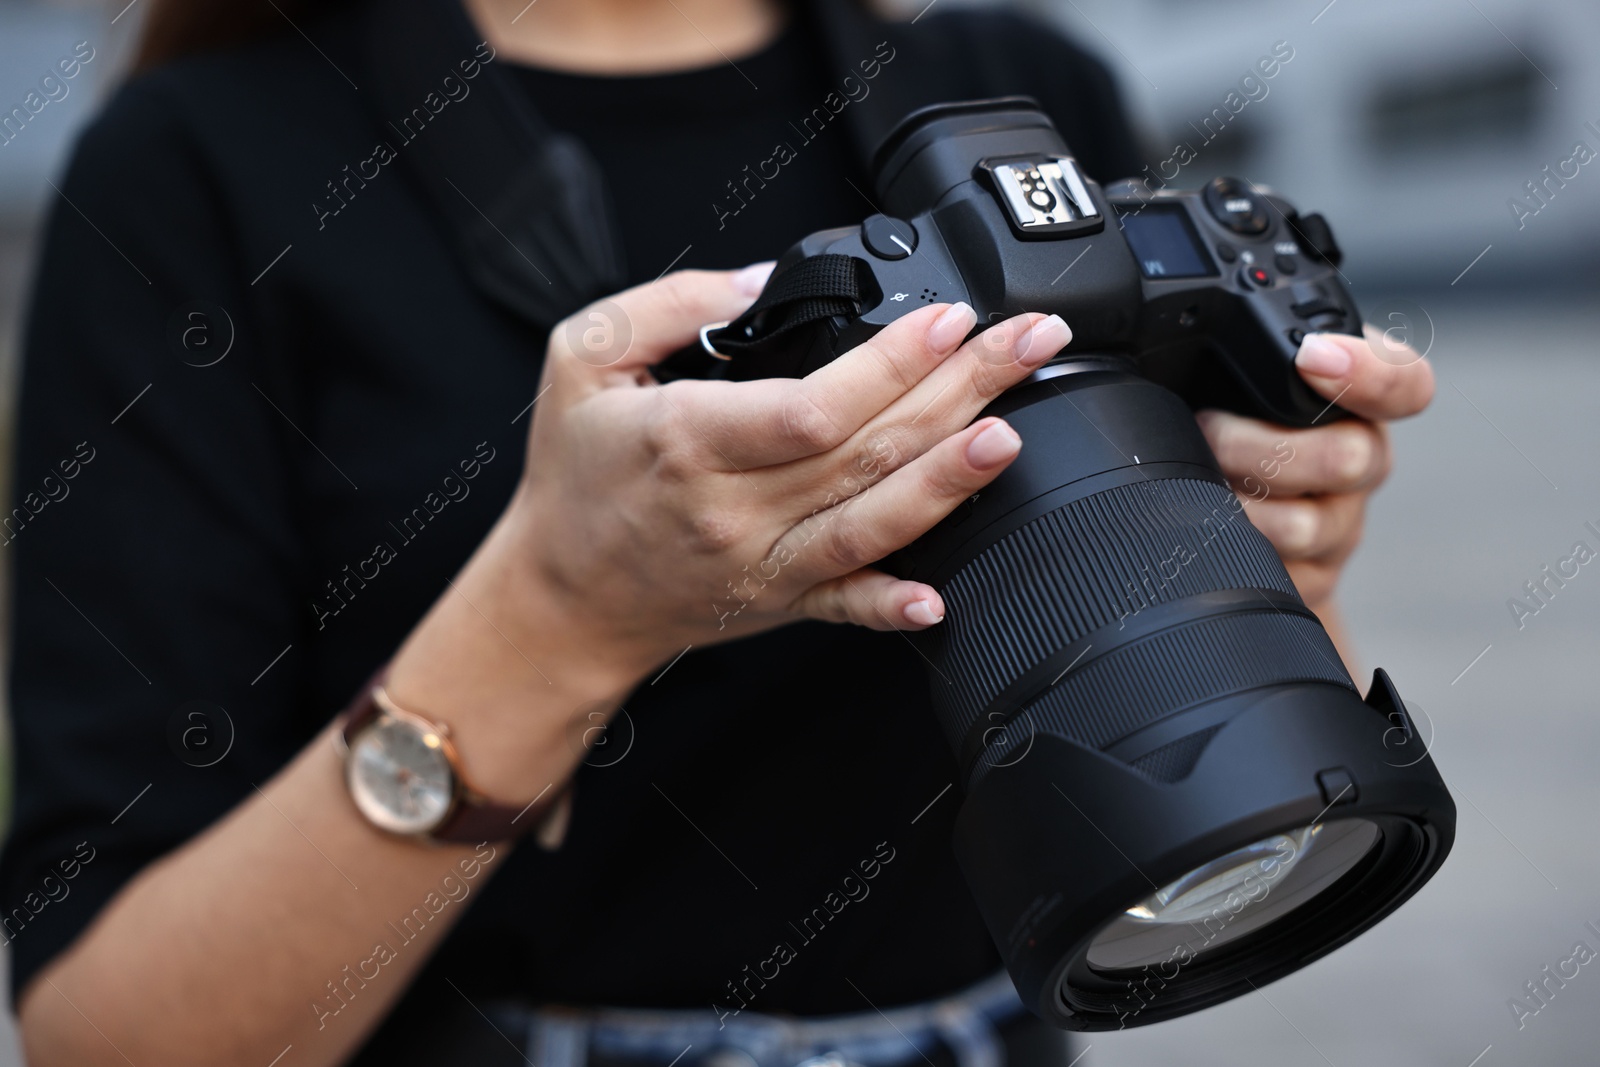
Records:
x=889, y=238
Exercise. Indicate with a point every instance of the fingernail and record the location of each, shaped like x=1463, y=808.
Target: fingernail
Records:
x=922, y=613
x=753, y=278
x=1323, y=356
x=950, y=328
x=1299, y=529
x=993, y=446
x=1354, y=455
x=1043, y=340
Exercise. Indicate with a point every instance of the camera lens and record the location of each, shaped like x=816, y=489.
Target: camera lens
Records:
x=1147, y=718
x=1219, y=902
x=1145, y=714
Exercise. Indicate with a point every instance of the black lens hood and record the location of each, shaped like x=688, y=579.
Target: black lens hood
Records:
x=1063, y=840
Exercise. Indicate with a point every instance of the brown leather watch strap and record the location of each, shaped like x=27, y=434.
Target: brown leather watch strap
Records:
x=475, y=820
x=363, y=709
x=473, y=817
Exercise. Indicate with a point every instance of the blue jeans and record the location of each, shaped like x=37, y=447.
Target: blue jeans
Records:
x=961, y=1030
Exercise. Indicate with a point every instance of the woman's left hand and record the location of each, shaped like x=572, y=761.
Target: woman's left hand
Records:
x=1307, y=490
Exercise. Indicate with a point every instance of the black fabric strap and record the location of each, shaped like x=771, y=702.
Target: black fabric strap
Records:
x=811, y=290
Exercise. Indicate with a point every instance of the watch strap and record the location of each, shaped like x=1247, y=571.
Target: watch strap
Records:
x=363, y=709
x=473, y=817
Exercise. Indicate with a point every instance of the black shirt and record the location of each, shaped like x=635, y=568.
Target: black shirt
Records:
x=260, y=347
x=691, y=159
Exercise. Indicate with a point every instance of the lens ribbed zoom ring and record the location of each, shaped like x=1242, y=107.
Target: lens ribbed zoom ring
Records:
x=1083, y=566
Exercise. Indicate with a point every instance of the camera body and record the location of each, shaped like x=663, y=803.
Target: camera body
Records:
x=1208, y=292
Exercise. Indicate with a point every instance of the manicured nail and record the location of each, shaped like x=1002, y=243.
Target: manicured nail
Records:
x=753, y=278
x=1043, y=340
x=1323, y=356
x=1299, y=529
x=923, y=613
x=993, y=446
x=950, y=328
x=1354, y=455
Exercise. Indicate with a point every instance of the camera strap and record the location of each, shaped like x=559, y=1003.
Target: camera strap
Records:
x=815, y=288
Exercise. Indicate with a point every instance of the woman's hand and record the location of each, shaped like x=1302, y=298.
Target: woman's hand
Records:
x=659, y=516
x=1307, y=490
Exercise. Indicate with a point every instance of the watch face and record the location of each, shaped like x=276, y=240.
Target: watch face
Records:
x=400, y=776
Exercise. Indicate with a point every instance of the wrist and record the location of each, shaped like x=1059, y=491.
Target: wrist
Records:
x=500, y=661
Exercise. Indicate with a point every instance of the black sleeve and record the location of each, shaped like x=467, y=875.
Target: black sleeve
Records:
x=1018, y=54
x=151, y=536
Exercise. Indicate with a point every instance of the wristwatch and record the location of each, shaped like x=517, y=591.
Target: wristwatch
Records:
x=406, y=778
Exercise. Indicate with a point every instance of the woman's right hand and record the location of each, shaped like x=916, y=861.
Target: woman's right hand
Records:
x=654, y=516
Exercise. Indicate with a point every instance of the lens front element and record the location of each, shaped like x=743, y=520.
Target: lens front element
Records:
x=1233, y=895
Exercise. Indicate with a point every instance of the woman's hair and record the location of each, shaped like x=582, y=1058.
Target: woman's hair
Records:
x=176, y=28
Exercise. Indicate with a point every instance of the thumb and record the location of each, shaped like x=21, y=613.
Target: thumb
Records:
x=643, y=325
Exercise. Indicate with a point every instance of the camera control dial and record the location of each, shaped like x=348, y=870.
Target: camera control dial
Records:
x=1237, y=206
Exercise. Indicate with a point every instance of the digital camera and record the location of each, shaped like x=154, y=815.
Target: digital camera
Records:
x=1174, y=791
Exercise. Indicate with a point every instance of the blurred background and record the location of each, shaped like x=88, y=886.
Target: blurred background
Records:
x=1428, y=132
